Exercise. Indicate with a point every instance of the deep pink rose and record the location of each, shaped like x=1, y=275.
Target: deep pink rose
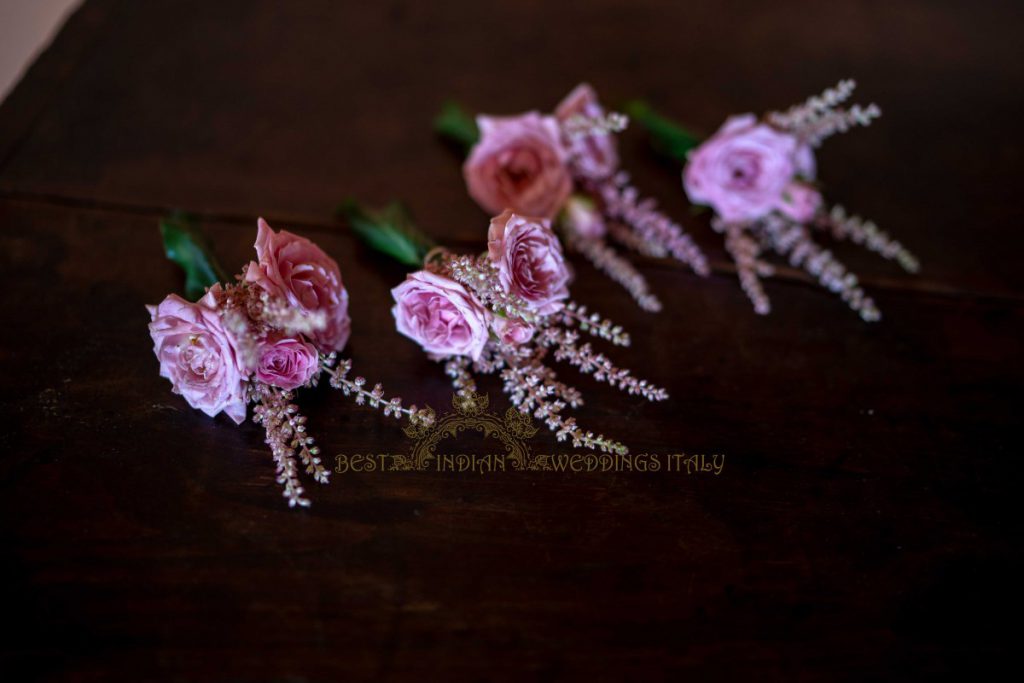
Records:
x=286, y=362
x=592, y=156
x=583, y=218
x=300, y=272
x=440, y=315
x=529, y=259
x=198, y=355
x=742, y=170
x=800, y=202
x=512, y=331
x=519, y=163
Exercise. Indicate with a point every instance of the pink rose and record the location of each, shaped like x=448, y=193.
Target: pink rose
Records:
x=198, y=355
x=286, y=362
x=592, y=156
x=806, y=166
x=583, y=218
x=300, y=272
x=519, y=162
x=512, y=331
x=529, y=259
x=440, y=315
x=742, y=169
x=799, y=201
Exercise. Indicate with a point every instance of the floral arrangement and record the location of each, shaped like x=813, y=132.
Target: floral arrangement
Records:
x=758, y=176
x=277, y=328
x=502, y=312
x=565, y=167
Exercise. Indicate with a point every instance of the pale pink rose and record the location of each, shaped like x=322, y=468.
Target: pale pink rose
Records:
x=519, y=163
x=530, y=260
x=297, y=270
x=198, y=355
x=806, y=166
x=512, y=331
x=591, y=156
x=800, y=202
x=440, y=315
x=286, y=362
x=583, y=218
x=742, y=169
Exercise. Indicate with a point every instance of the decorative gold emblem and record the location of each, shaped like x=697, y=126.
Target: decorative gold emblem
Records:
x=470, y=413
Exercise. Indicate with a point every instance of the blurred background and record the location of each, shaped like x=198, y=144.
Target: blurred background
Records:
x=26, y=27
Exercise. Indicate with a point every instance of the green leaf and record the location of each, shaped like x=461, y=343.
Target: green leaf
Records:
x=667, y=137
x=389, y=230
x=455, y=125
x=186, y=245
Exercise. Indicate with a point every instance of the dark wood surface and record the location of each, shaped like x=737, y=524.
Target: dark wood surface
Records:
x=865, y=526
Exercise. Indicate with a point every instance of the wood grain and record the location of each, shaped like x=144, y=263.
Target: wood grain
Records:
x=864, y=525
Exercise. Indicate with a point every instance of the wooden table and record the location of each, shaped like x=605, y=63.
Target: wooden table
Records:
x=865, y=524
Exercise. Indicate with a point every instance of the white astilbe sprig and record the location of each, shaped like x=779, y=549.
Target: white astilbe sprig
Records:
x=746, y=251
x=625, y=236
x=581, y=126
x=867, y=234
x=532, y=356
x=593, y=324
x=534, y=389
x=338, y=371
x=530, y=390
x=286, y=435
x=588, y=361
x=793, y=241
x=623, y=204
x=822, y=116
x=815, y=105
x=462, y=378
x=619, y=269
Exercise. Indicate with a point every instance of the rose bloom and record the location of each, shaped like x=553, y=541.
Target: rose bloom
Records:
x=295, y=269
x=799, y=202
x=512, y=331
x=286, y=362
x=198, y=355
x=583, y=217
x=519, y=162
x=592, y=156
x=743, y=169
x=440, y=315
x=530, y=261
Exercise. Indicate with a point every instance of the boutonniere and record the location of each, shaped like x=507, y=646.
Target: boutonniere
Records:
x=503, y=312
x=759, y=178
x=276, y=328
x=565, y=167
